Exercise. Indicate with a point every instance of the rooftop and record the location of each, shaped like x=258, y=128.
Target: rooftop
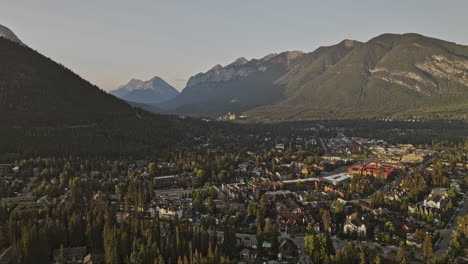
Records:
x=165, y=177
x=338, y=177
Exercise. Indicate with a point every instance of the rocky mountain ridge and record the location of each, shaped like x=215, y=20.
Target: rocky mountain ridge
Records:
x=389, y=76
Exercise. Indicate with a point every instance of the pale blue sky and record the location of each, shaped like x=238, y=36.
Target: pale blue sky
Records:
x=111, y=41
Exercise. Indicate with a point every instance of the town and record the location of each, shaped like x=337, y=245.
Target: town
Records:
x=306, y=198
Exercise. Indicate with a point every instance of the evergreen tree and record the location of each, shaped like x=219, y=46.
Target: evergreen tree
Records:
x=61, y=256
x=427, y=248
x=316, y=247
x=401, y=252
x=378, y=259
x=229, y=246
x=326, y=219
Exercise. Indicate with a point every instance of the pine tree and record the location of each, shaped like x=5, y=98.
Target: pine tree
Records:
x=455, y=242
x=427, y=248
x=229, y=242
x=401, y=252
x=327, y=223
x=159, y=260
x=61, y=256
x=211, y=255
x=111, y=245
x=3, y=237
x=378, y=259
x=403, y=260
x=362, y=256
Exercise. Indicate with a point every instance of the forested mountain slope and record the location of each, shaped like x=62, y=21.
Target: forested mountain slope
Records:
x=46, y=108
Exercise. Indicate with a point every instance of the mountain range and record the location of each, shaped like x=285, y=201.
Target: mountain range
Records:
x=396, y=76
x=154, y=91
x=239, y=86
x=391, y=76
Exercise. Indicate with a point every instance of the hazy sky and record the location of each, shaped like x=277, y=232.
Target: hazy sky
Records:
x=109, y=42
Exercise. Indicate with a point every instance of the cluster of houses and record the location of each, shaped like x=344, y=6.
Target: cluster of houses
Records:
x=254, y=190
x=29, y=205
x=296, y=191
x=75, y=255
x=292, y=169
x=11, y=182
x=433, y=206
x=297, y=202
x=8, y=168
x=292, y=216
x=232, y=116
x=404, y=153
x=341, y=145
x=170, y=208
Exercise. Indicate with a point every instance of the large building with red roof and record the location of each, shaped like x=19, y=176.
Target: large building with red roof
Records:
x=372, y=170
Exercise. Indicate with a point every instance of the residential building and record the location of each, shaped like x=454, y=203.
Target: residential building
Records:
x=355, y=223
x=371, y=170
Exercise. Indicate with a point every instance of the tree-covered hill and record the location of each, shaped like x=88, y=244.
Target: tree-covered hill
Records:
x=35, y=88
x=46, y=108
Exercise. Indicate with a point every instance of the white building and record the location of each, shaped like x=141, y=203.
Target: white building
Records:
x=170, y=212
x=435, y=201
x=355, y=223
x=280, y=146
x=338, y=179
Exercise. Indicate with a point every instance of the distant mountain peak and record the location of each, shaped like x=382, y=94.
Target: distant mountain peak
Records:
x=156, y=78
x=153, y=91
x=8, y=34
x=291, y=55
x=216, y=68
x=133, y=82
x=350, y=43
x=240, y=61
x=269, y=56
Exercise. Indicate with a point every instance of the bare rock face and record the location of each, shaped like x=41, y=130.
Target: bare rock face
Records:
x=455, y=69
x=411, y=80
x=242, y=68
x=8, y=34
x=350, y=43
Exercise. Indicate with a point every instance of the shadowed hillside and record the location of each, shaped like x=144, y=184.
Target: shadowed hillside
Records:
x=46, y=108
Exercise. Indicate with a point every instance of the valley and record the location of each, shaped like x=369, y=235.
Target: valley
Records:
x=355, y=152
